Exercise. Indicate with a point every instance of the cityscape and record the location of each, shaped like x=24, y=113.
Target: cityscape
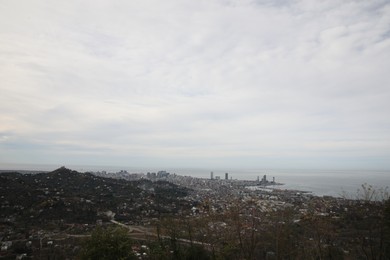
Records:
x=195, y=130
x=50, y=214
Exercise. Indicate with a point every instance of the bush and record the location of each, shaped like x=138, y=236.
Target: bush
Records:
x=109, y=243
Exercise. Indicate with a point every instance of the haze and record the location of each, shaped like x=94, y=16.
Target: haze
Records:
x=184, y=83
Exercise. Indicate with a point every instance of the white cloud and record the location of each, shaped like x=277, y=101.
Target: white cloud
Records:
x=194, y=80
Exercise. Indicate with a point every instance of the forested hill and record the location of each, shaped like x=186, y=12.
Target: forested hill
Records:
x=72, y=197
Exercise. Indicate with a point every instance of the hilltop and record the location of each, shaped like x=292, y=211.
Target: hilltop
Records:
x=67, y=196
x=48, y=214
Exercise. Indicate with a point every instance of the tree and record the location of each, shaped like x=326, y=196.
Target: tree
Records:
x=387, y=228
x=109, y=243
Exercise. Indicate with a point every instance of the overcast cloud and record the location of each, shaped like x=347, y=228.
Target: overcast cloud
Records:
x=184, y=83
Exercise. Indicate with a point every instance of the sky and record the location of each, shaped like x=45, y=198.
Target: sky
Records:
x=206, y=83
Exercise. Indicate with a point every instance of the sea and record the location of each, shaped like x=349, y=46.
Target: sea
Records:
x=336, y=183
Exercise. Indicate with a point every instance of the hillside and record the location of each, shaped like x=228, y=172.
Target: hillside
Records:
x=67, y=196
x=48, y=215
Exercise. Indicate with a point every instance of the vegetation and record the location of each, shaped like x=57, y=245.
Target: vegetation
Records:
x=109, y=243
x=66, y=196
x=360, y=233
x=46, y=216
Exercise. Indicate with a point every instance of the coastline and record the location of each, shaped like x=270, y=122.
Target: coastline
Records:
x=335, y=183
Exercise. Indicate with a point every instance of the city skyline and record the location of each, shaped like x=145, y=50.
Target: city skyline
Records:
x=208, y=84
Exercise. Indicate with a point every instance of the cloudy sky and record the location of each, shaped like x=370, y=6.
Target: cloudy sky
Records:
x=205, y=83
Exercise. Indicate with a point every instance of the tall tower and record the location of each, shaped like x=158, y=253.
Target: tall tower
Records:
x=226, y=176
x=211, y=175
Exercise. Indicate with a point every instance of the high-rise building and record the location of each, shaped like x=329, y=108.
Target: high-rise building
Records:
x=211, y=175
x=226, y=176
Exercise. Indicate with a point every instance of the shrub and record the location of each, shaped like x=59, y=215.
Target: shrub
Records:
x=109, y=243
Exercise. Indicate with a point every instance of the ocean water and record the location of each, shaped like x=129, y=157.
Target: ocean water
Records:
x=320, y=182
x=337, y=183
